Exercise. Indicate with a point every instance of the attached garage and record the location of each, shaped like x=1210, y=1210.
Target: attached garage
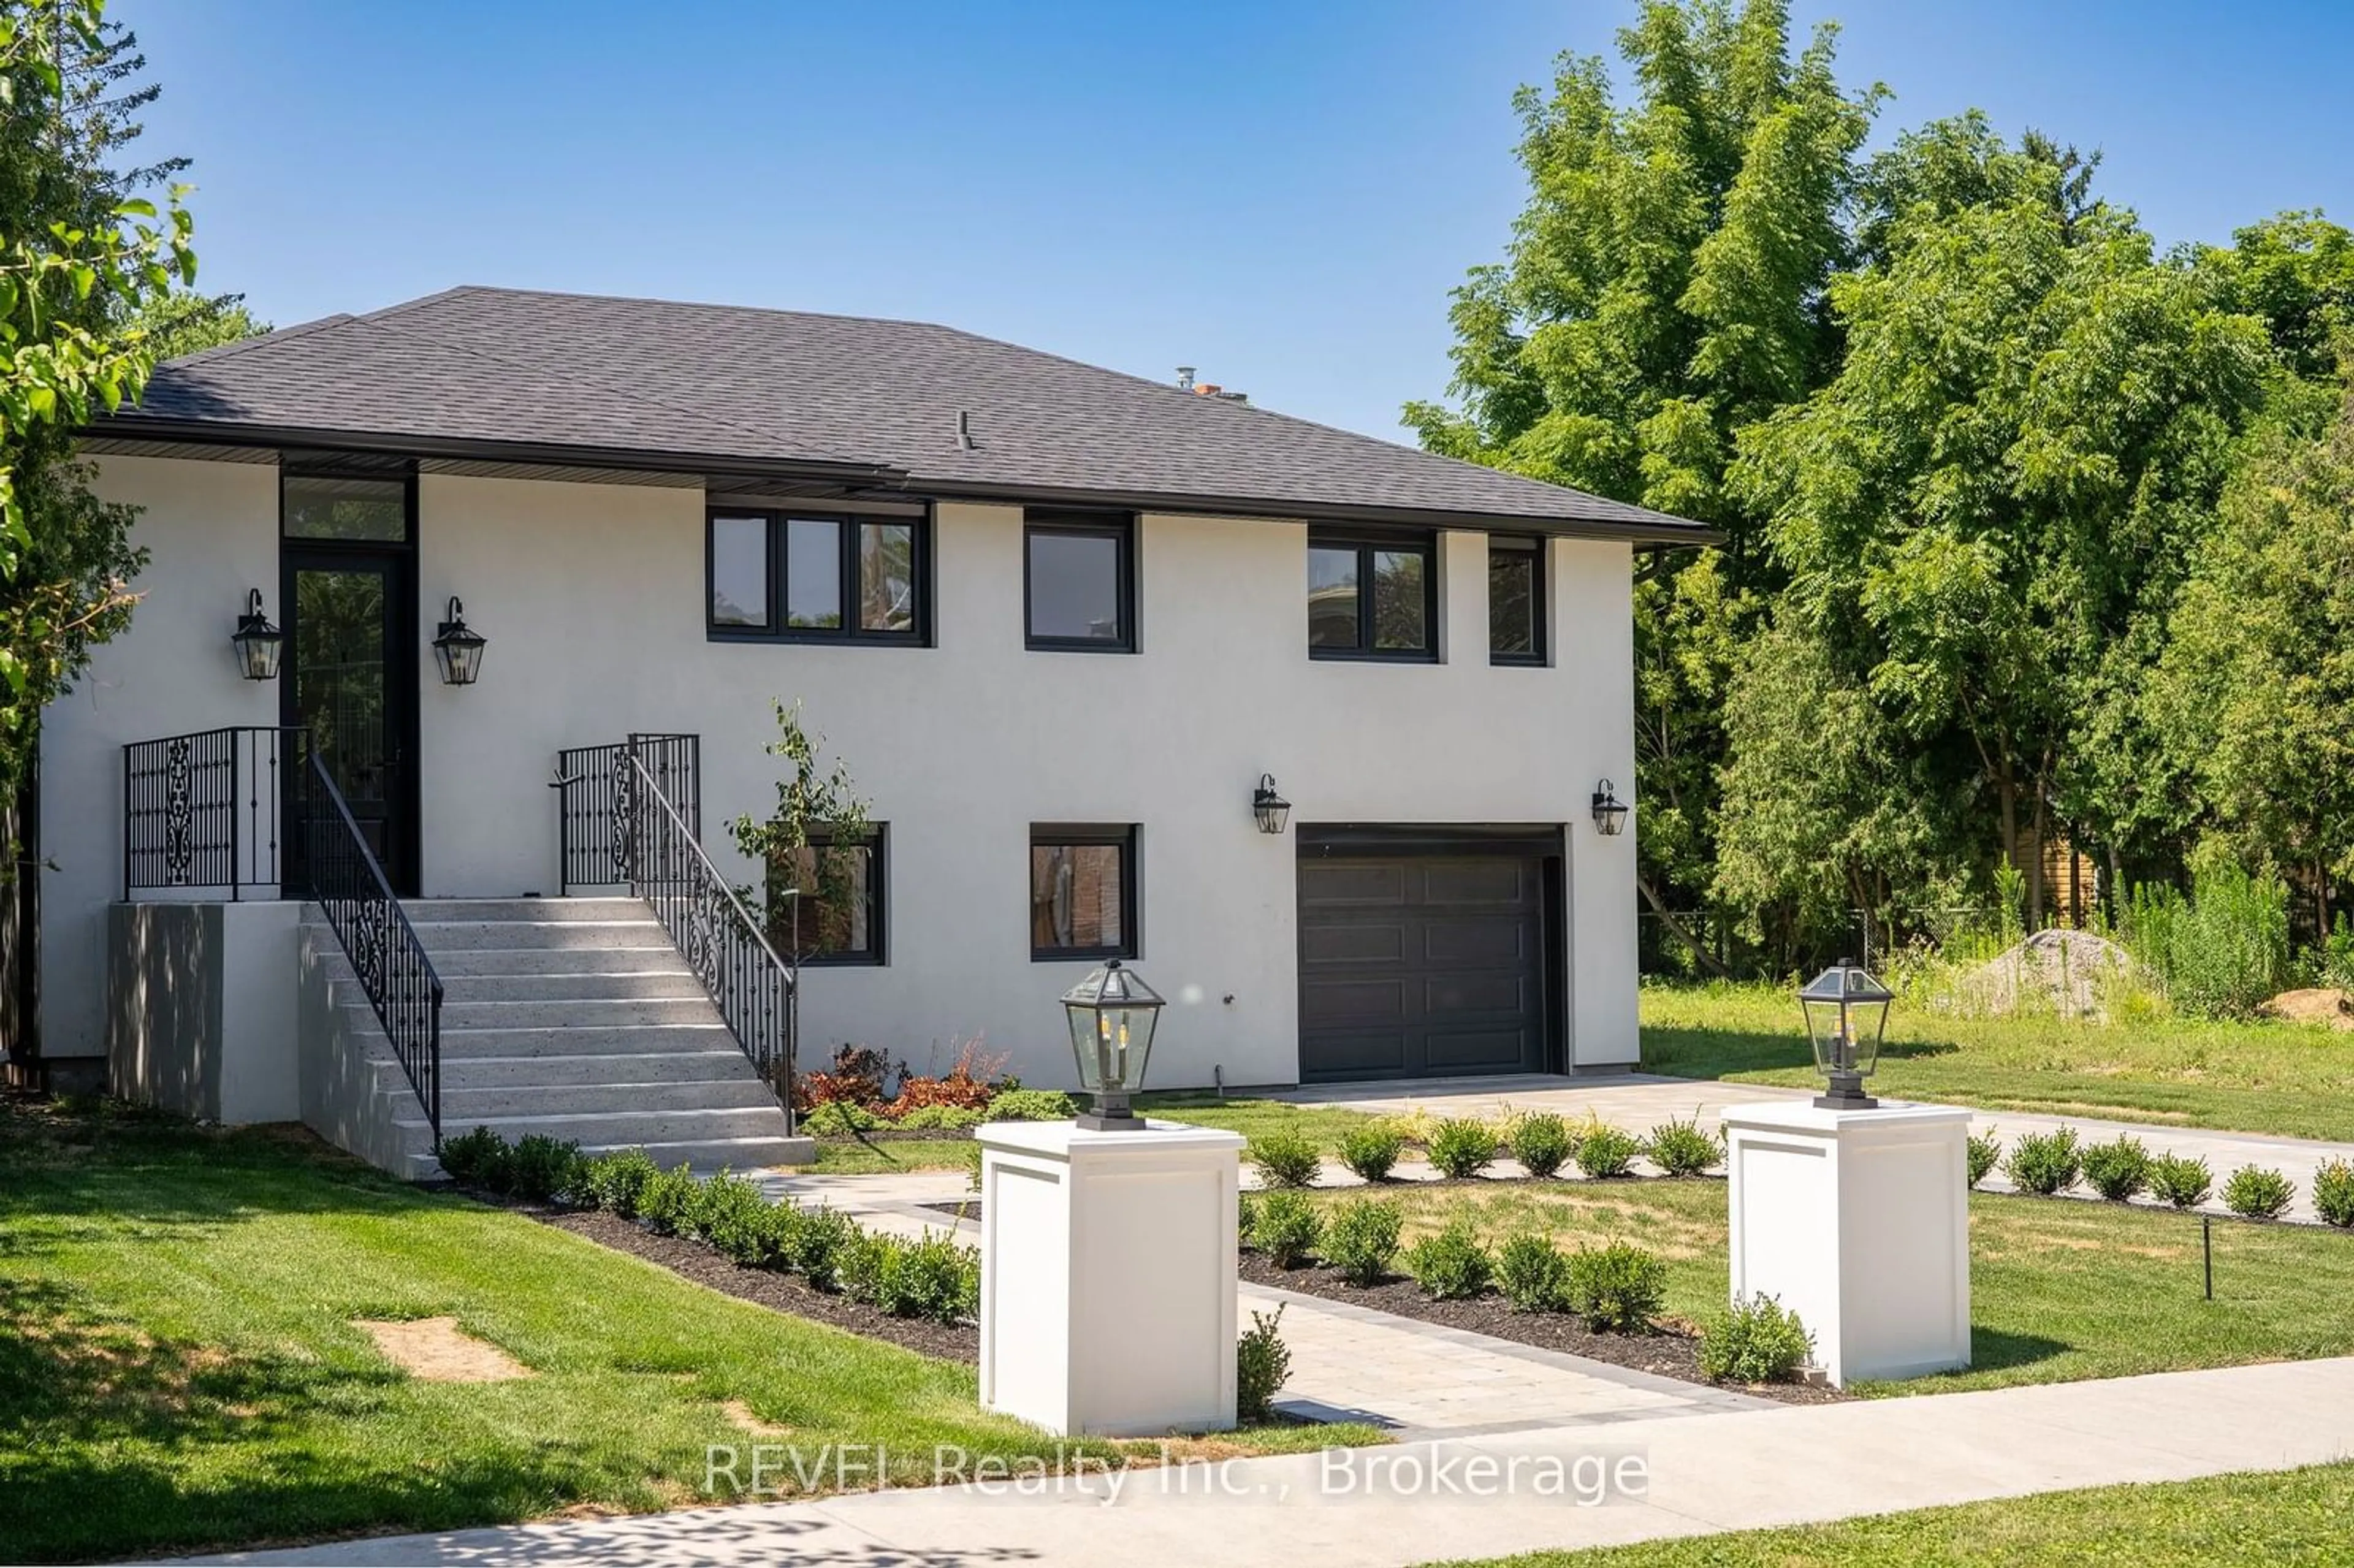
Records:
x=1426, y=951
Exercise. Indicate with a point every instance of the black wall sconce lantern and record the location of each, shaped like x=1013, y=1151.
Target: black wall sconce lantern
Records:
x=1271, y=808
x=458, y=648
x=1610, y=812
x=258, y=644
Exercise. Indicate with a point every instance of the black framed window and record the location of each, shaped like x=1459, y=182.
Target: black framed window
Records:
x=1516, y=605
x=1373, y=596
x=1082, y=892
x=343, y=508
x=1078, y=581
x=807, y=577
x=840, y=918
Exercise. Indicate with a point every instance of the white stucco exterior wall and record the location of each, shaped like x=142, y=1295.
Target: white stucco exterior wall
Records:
x=591, y=596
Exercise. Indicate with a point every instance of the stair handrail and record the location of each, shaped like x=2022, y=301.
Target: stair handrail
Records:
x=756, y=990
x=348, y=884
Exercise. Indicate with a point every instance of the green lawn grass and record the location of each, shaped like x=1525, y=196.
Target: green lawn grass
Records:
x=1252, y=1117
x=2266, y=1520
x=178, y=1369
x=2293, y=1080
x=848, y=1157
x=2060, y=1289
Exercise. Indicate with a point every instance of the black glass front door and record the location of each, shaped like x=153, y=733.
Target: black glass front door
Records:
x=349, y=685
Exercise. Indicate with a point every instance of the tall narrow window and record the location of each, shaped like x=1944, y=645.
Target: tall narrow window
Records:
x=1516, y=620
x=1373, y=596
x=794, y=577
x=1080, y=582
x=1082, y=892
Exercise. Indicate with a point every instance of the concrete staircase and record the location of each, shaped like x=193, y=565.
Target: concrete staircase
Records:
x=575, y=1018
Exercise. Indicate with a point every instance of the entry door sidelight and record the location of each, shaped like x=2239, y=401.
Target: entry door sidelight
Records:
x=349, y=684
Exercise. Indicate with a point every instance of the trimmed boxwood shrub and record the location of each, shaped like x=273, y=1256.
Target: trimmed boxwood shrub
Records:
x=1617, y=1288
x=1031, y=1104
x=1450, y=1265
x=1462, y=1147
x=1542, y=1143
x=813, y=1245
x=1603, y=1151
x=2044, y=1163
x=1679, y=1147
x=666, y=1204
x=2182, y=1180
x=1532, y=1273
x=1360, y=1238
x=1286, y=1228
x=477, y=1158
x=1756, y=1341
x=612, y=1182
x=931, y=1277
x=1984, y=1151
x=2117, y=1170
x=1370, y=1151
x=2333, y=1193
x=1285, y=1157
x=2256, y=1193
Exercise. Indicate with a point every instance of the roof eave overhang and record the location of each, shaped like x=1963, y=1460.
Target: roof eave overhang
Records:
x=201, y=433
x=1667, y=531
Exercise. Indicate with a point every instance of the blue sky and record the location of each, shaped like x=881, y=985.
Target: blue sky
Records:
x=1280, y=194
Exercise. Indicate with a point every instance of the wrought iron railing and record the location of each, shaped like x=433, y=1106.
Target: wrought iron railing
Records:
x=393, y=969
x=202, y=811
x=597, y=802
x=756, y=990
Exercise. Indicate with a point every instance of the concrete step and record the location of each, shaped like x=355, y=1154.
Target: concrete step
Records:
x=577, y=1012
x=727, y=1064
x=457, y=936
x=537, y=911
x=621, y=1130
x=587, y=986
x=656, y=955
x=622, y=1039
x=463, y=1107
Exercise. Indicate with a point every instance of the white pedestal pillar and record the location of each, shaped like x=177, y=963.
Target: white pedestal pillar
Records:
x=1107, y=1277
x=1859, y=1222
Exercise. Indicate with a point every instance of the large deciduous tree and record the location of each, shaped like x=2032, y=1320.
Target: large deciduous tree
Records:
x=82, y=254
x=1663, y=289
x=1987, y=514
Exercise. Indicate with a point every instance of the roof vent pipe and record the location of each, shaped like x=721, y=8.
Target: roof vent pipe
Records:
x=964, y=428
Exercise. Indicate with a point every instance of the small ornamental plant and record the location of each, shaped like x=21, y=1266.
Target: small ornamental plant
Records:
x=1682, y=1149
x=1450, y=1265
x=1285, y=1157
x=1984, y=1151
x=1462, y=1147
x=2044, y=1163
x=2182, y=1180
x=1603, y=1151
x=1542, y=1142
x=1286, y=1228
x=1262, y=1361
x=1361, y=1239
x=1532, y=1273
x=2253, y=1193
x=1371, y=1151
x=1756, y=1341
x=2333, y=1193
x=2118, y=1170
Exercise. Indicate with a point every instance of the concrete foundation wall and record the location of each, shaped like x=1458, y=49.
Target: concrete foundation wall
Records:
x=200, y=1009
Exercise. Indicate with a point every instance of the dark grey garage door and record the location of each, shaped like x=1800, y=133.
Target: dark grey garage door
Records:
x=1420, y=964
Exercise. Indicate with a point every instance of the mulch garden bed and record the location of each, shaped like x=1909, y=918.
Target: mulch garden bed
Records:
x=763, y=1287
x=1671, y=1352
